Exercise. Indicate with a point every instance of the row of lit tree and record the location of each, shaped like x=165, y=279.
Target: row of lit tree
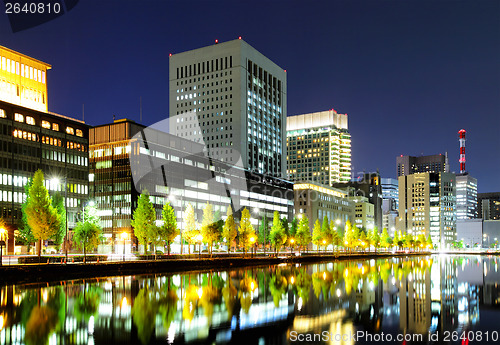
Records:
x=280, y=233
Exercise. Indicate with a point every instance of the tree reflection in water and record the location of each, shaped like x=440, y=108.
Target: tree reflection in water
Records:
x=193, y=306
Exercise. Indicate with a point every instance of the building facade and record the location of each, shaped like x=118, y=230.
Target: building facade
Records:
x=32, y=138
x=427, y=205
x=367, y=185
x=319, y=148
x=489, y=206
x=466, y=197
x=406, y=165
x=364, y=213
x=317, y=201
x=128, y=158
x=232, y=99
x=23, y=80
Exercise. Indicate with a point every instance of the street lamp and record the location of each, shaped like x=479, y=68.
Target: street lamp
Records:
x=199, y=237
x=324, y=244
x=252, y=241
x=292, y=241
x=3, y=238
x=124, y=236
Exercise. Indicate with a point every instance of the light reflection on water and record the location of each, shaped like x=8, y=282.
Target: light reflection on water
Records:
x=271, y=305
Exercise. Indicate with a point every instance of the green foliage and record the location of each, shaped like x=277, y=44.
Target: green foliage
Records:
x=41, y=324
x=190, y=228
x=87, y=303
x=25, y=235
x=325, y=231
x=317, y=235
x=385, y=239
x=144, y=314
x=374, y=237
x=303, y=234
x=349, y=240
x=87, y=236
x=229, y=231
x=264, y=234
x=286, y=225
x=278, y=234
x=245, y=230
x=58, y=204
x=143, y=219
x=169, y=230
x=209, y=228
x=292, y=230
x=42, y=217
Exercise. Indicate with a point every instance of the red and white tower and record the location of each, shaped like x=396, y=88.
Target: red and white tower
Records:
x=461, y=160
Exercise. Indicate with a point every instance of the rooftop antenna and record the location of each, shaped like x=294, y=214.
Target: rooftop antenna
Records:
x=113, y=117
x=461, y=160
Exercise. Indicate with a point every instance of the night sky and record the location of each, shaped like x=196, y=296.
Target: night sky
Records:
x=409, y=74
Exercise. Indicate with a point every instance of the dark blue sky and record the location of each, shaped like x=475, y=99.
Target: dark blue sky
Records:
x=410, y=74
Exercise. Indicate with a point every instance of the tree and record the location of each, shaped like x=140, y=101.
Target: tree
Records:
x=385, y=239
x=190, y=228
x=349, y=240
x=278, y=234
x=286, y=225
x=317, y=235
x=229, y=230
x=395, y=239
x=87, y=236
x=335, y=235
x=325, y=230
x=143, y=219
x=292, y=230
x=58, y=204
x=374, y=238
x=429, y=241
x=25, y=235
x=43, y=218
x=246, y=231
x=209, y=229
x=169, y=230
x=363, y=239
x=263, y=234
x=303, y=234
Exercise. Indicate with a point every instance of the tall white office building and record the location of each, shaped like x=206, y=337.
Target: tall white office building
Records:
x=232, y=98
x=466, y=197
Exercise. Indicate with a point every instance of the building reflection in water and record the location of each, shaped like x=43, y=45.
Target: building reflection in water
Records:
x=256, y=305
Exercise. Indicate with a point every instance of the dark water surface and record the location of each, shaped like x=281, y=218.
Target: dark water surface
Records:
x=428, y=300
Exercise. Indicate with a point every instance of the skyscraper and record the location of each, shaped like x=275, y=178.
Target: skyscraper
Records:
x=233, y=99
x=427, y=205
x=466, y=197
x=319, y=148
x=407, y=165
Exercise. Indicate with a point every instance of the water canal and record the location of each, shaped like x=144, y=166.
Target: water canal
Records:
x=420, y=300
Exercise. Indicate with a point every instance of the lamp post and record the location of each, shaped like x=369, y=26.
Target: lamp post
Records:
x=124, y=236
x=252, y=241
x=292, y=241
x=199, y=237
x=257, y=211
x=3, y=236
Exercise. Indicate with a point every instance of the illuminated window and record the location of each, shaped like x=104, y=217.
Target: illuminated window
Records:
x=2, y=113
x=39, y=76
x=46, y=124
x=55, y=127
x=79, y=133
x=18, y=117
x=31, y=72
x=22, y=70
x=30, y=120
x=43, y=77
x=70, y=130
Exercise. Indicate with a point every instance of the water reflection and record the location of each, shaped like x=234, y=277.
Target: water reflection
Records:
x=259, y=305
